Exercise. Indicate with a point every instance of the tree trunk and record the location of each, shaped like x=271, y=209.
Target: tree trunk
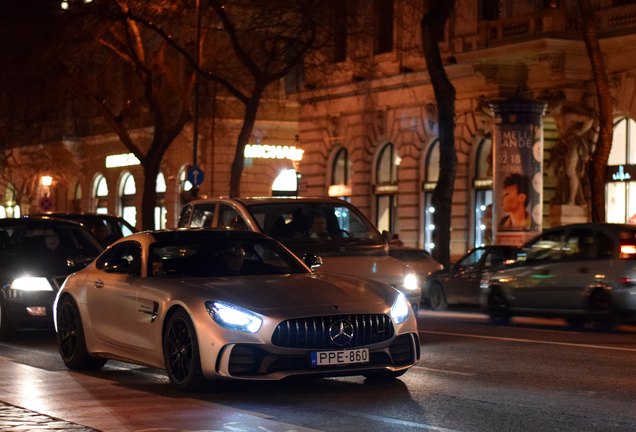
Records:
x=606, y=127
x=249, y=119
x=432, y=31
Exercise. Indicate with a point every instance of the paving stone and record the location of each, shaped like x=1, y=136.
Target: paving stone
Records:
x=16, y=419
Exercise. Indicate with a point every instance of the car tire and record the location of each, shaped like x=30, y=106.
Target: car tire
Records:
x=181, y=353
x=498, y=309
x=382, y=376
x=601, y=312
x=6, y=331
x=436, y=297
x=70, y=338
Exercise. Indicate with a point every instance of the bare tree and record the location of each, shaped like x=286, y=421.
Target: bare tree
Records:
x=432, y=26
x=249, y=46
x=606, y=126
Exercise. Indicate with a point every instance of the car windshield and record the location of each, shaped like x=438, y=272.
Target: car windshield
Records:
x=221, y=257
x=316, y=226
x=47, y=239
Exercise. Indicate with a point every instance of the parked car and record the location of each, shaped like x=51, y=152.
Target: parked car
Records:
x=335, y=230
x=105, y=227
x=36, y=255
x=585, y=273
x=460, y=283
x=418, y=259
x=206, y=304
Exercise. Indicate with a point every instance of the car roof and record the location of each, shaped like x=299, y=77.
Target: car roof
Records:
x=271, y=200
x=37, y=222
x=197, y=233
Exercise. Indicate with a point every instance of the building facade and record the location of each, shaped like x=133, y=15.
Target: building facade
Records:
x=366, y=124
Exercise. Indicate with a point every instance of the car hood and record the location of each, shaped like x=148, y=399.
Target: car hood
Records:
x=265, y=293
x=384, y=269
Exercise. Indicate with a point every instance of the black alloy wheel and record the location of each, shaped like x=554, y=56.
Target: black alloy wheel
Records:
x=70, y=338
x=181, y=353
x=436, y=297
x=498, y=309
x=601, y=312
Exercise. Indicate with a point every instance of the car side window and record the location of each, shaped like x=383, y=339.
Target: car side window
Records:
x=580, y=244
x=546, y=247
x=184, y=217
x=471, y=260
x=229, y=217
x=129, y=252
x=202, y=215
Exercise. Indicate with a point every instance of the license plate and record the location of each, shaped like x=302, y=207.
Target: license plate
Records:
x=342, y=357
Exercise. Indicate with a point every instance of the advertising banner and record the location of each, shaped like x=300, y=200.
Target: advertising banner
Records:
x=518, y=170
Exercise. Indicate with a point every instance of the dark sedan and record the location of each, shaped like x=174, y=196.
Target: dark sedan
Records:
x=105, y=227
x=460, y=283
x=36, y=255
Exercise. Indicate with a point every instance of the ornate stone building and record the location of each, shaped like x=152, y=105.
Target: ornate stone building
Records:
x=368, y=121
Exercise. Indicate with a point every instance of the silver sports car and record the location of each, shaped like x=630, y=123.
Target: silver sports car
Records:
x=206, y=304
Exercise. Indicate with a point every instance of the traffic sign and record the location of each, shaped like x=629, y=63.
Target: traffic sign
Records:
x=195, y=175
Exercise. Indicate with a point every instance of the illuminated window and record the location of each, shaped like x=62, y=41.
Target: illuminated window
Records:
x=431, y=175
x=100, y=194
x=386, y=188
x=339, y=182
x=483, y=194
x=128, y=190
x=620, y=191
x=160, y=208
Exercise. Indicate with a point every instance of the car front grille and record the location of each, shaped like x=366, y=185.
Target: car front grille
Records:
x=252, y=360
x=313, y=332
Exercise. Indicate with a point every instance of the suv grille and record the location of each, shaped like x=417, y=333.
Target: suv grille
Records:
x=313, y=332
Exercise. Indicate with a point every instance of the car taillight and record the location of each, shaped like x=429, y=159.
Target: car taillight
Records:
x=626, y=281
x=628, y=251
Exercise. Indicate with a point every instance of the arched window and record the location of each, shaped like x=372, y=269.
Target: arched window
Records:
x=184, y=186
x=127, y=192
x=386, y=188
x=620, y=188
x=77, y=197
x=160, y=208
x=339, y=184
x=100, y=194
x=482, y=185
x=431, y=175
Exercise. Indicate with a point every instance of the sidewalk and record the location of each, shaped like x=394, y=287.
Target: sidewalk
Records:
x=33, y=399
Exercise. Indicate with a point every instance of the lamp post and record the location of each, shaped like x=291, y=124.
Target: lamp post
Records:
x=195, y=121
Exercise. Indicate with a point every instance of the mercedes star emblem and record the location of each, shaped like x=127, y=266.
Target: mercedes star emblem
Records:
x=341, y=332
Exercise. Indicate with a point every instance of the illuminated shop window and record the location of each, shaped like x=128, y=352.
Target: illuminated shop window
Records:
x=386, y=188
x=482, y=184
x=128, y=190
x=431, y=175
x=160, y=208
x=620, y=189
x=100, y=194
x=10, y=207
x=184, y=186
x=286, y=183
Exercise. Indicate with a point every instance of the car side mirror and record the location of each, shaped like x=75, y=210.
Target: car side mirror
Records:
x=312, y=261
x=120, y=266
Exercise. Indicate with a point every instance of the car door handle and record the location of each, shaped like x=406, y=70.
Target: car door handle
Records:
x=98, y=283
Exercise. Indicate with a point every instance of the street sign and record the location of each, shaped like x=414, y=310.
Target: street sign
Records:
x=195, y=175
x=46, y=203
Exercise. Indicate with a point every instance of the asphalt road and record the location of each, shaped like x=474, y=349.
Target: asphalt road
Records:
x=533, y=375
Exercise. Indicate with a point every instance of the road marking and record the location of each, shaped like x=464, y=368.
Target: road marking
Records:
x=401, y=422
x=568, y=344
x=444, y=371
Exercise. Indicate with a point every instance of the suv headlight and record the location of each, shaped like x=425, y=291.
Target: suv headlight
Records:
x=400, y=309
x=31, y=283
x=233, y=317
x=410, y=282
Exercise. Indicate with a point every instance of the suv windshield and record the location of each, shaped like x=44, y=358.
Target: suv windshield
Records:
x=317, y=226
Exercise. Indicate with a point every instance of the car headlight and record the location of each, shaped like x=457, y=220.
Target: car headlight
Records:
x=233, y=317
x=30, y=283
x=400, y=309
x=410, y=282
